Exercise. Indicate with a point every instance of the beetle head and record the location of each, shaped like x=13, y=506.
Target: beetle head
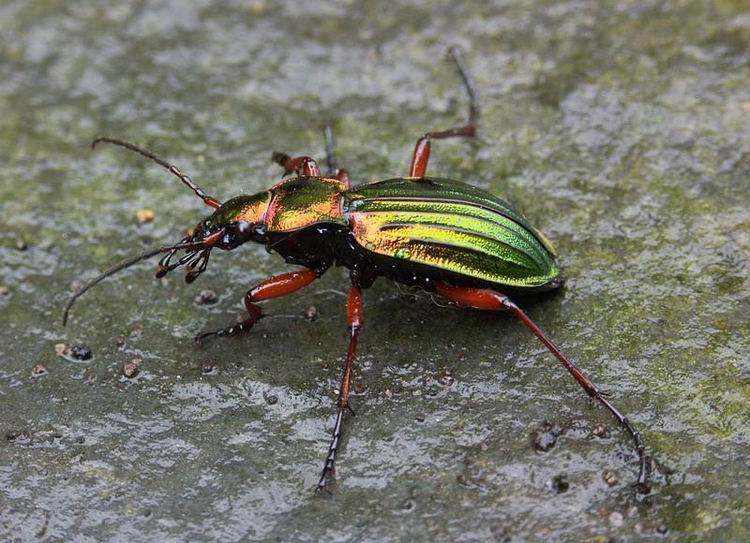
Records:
x=235, y=222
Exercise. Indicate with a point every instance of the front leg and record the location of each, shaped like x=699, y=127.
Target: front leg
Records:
x=273, y=287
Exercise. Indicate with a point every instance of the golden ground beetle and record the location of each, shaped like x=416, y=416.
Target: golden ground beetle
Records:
x=444, y=236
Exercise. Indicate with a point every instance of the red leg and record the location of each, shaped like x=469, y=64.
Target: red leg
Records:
x=421, y=155
x=343, y=176
x=354, y=321
x=301, y=165
x=422, y=150
x=494, y=301
x=274, y=287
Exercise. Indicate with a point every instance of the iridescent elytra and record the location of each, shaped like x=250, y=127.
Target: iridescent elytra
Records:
x=445, y=236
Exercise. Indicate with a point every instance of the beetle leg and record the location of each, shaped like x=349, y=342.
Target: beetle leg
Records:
x=494, y=301
x=354, y=321
x=273, y=287
x=301, y=165
x=421, y=155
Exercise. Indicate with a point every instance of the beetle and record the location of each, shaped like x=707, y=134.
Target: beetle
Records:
x=447, y=237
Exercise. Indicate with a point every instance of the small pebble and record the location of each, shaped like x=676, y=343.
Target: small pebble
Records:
x=79, y=351
x=21, y=244
x=560, y=483
x=615, y=519
x=545, y=437
x=206, y=297
x=311, y=313
x=38, y=370
x=360, y=388
x=144, y=216
x=132, y=368
x=610, y=477
x=662, y=529
x=420, y=418
x=208, y=368
x=600, y=431
x=271, y=399
x=4, y=291
x=446, y=378
x=61, y=349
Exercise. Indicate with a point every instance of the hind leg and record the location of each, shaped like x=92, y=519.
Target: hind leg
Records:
x=494, y=301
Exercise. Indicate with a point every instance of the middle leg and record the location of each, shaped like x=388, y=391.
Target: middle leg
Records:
x=354, y=321
x=273, y=287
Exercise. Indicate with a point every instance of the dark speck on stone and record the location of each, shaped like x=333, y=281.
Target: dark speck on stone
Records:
x=545, y=437
x=80, y=351
x=560, y=483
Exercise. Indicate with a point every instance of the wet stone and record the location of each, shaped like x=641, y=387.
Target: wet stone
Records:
x=545, y=437
x=616, y=519
x=131, y=369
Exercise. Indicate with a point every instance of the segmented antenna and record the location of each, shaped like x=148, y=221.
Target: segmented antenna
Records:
x=128, y=262
x=208, y=200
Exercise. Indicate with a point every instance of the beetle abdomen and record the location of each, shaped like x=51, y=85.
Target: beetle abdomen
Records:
x=453, y=227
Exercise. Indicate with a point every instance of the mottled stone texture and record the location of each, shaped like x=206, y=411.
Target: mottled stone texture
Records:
x=621, y=128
